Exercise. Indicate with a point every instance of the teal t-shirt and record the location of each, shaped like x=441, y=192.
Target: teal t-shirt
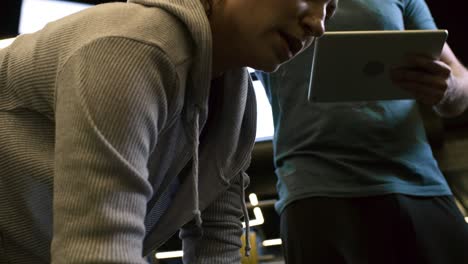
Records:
x=351, y=149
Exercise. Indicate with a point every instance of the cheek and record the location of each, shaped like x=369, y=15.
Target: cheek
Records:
x=251, y=38
x=257, y=44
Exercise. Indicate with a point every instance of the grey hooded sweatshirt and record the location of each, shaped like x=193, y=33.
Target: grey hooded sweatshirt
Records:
x=101, y=113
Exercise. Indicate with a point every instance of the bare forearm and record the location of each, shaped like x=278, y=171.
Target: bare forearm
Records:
x=455, y=100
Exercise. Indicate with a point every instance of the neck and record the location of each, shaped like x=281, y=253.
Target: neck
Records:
x=225, y=56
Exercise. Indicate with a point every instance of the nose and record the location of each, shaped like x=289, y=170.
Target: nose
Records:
x=313, y=26
x=313, y=20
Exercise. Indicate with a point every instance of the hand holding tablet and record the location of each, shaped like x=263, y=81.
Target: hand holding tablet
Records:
x=355, y=65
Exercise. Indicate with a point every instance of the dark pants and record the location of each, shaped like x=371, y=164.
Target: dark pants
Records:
x=387, y=229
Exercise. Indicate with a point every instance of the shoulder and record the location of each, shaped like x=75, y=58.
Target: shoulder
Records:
x=158, y=27
x=417, y=15
x=133, y=45
x=150, y=25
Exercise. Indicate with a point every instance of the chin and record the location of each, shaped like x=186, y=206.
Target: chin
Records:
x=267, y=67
x=273, y=68
x=267, y=62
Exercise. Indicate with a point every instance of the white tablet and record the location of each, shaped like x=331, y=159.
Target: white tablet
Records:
x=352, y=66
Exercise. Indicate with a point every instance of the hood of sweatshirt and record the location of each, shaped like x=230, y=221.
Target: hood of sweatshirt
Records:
x=193, y=15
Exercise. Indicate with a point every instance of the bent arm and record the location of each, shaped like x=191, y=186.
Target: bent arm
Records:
x=222, y=228
x=455, y=100
x=442, y=83
x=110, y=106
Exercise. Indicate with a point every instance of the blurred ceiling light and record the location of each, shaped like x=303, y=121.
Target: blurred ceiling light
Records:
x=259, y=220
x=253, y=199
x=271, y=242
x=35, y=14
x=6, y=42
x=169, y=254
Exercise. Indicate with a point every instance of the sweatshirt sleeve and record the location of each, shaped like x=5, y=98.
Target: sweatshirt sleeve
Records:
x=111, y=102
x=222, y=229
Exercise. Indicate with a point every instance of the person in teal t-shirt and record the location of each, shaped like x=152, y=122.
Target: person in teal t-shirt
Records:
x=357, y=182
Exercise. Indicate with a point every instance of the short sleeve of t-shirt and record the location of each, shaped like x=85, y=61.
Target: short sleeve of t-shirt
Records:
x=417, y=15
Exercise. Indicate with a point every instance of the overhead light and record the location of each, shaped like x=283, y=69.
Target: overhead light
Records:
x=6, y=42
x=466, y=219
x=169, y=254
x=271, y=242
x=259, y=220
x=253, y=199
x=35, y=14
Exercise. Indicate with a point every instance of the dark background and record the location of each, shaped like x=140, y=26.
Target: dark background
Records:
x=449, y=15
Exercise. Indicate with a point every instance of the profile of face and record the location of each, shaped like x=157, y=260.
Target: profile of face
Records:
x=263, y=34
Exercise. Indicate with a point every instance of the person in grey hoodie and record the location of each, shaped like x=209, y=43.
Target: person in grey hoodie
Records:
x=123, y=123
